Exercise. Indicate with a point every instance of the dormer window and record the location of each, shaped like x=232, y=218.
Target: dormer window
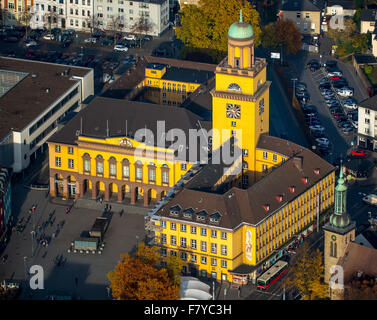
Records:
x=304, y=180
x=291, y=189
x=187, y=213
x=215, y=217
x=201, y=215
x=174, y=211
x=316, y=171
x=279, y=198
x=266, y=207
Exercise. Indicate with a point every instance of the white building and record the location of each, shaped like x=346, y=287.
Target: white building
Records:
x=367, y=124
x=34, y=97
x=66, y=14
x=125, y=14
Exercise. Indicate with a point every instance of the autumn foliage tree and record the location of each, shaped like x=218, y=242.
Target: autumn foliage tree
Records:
x=306, y=274
x=141, y=277
x=282, y=32
x=205, y=26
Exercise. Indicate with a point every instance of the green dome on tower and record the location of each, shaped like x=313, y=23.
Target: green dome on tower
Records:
x=240, y=30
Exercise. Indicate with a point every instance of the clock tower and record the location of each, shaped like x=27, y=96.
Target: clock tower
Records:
x=240, y=100
x=340, y=230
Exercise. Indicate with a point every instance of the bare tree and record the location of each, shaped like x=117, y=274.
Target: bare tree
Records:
x=25, y=18
x=115, y=25
x=50, y=19
x=142, y=26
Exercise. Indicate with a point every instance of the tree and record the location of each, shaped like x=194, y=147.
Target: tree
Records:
x=141, y=26
x=269, y=39
x=114, y=25
x=174, y=266
x=141, y=277
x=306, y=274
x=50, y=19
x=206, y=26
x=25, y=18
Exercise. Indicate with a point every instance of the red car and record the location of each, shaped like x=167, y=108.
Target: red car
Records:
x=358, y=153
x=334, y=78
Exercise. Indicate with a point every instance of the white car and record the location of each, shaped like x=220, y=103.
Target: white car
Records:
x=317, y=128
x=49, y=37
x=120, y=47
x=345, y=92
x=323, y=141
x=334, y=74
x=129, y=37
x=350, y=105
x=31, y=44
x=90, y=40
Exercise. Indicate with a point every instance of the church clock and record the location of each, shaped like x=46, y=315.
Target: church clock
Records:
x=233, y=111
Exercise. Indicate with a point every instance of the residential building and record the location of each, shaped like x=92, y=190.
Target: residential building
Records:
x=65, y=14
x=34, y=97
x=340, y=7
x=152, y=16
x=307, y=14
x=368, y=20
x=367, y=124
x=232, y=224
x=5, y=200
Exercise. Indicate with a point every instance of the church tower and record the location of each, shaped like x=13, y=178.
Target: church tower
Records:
x=240, y=100
x=340, y=230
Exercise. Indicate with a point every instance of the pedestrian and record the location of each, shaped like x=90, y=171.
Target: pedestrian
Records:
x=110, y=208
x=239, y=291
x=100, y=200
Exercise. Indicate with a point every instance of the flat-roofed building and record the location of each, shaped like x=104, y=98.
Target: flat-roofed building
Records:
x=34, y=96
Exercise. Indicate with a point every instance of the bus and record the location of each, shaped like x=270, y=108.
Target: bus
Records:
x=272, y=275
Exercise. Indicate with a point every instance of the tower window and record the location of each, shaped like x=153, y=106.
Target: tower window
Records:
x=261, y=106
x=237, y=62
x=234, y=87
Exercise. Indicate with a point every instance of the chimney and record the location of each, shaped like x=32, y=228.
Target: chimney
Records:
x=298, y=162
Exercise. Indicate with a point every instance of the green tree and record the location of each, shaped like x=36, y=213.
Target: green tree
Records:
x=174, y=266
x=306, y=274
x=269, y=39
x=205, y=26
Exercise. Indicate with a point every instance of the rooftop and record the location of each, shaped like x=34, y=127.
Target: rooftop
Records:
x=369, y=103
x=346, y=4
x=301, y=5
x=24, y=84
x=368, y=15
x=124, y=118
x=253, y=205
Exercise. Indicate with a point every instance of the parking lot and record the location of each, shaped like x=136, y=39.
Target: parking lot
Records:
x=325, y=112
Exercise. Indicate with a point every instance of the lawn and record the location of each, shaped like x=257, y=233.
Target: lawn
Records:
x=371, y=73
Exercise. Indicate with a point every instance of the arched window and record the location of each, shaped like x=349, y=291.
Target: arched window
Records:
x=112, y=167
x=99, y=164
x=165, y=174
x=139, y=170
x=125, y=168
x=234, y=87
x=86, y=162
x=151, y=172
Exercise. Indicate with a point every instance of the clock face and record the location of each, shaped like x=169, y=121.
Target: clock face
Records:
x=233, y=111
x=333, y=238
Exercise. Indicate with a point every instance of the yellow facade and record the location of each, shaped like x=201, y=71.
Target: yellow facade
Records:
x=267, y=237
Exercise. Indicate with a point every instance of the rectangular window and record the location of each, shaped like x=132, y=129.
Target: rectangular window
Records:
x=298, y=15
x=213, y=262
x=113, y=169
x=58, y=161
x=163, y=238
x=100, y=167
x=183, y=242
x=184, y=256
x=183, y=228
x=223, y=235
x=193, y=244
x=274, y=158
x=213, y=248
x=223, y=264
x=193, y=230
x=87, y=165
x=70, y=163
x=193, y=258
x=126, y=171
x=173, y=226
x=307, y=15
x=139, y=173
x=203, y=260
x=203, y=246
x=264, y=168
x=265, y=155
x=245, y=152
x=152, y=175
x=203, y=231
x=173, y=240
x=165, y=177
x=57, y=148
x=223, y=250
x=183, y=167
x=163, y=224
x=213, y=233
x=70, y=150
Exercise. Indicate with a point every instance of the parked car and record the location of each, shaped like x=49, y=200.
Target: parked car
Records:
x=340, y=84
x=66, y=44
x=300, y=85
x=317, y=128
x=314, y=67
x=325, y=85
x=107, y=42
x=121, y=48
x=350, y=105
x=323, y=141
x=347, y=130
x=90, y=40
x=147, y=38
x=98, y=34
x=49, y=36
x=345, y=92
x=335, y=73
x=358, y=153
x=11, y=39
x=334, y=77
x=129, y=37
x=324, y=80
